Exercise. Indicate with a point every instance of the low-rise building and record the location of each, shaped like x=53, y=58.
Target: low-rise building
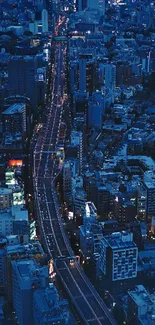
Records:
x=141, y=306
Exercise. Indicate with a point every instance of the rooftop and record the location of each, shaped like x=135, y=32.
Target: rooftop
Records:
x=28, y=273
x=5, y=191
x=15, y=108
x=27, y=249
x=20, y=213
x=145, y=300
x=119, y=240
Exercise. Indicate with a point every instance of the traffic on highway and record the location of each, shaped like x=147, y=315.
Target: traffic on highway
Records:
x=46, y=168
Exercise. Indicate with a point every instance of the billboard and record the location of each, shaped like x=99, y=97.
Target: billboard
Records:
x=16, y=163
x=9, y=178
x=18, y=198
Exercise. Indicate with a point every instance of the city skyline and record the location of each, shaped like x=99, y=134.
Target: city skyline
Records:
x=77, y=162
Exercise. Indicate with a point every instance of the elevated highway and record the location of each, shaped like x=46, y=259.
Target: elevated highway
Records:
x=85, y=298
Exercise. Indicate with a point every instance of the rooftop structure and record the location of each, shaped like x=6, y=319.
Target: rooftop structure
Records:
x=141, y=306
x=48, y=308
x=15, y=108
x=118, y=259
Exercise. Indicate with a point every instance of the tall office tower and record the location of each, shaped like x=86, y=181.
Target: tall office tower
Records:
x=80, y=102
x=49, y=7
x=125, y=210
x=14, y=119
x=48, y=308
x=109, y=75
x=89, y=231
x=77, y=140
x=27, y=277
x=95, y=110
x=67, y=173
x=149, y=187
x=103, y=201
x=19, y=248
x=44, y=19
x=118, y=259
x=21, y=77
x=86, y=73
x=80, y=124
x=73, y=76
x=123, y=73
x=142, y=202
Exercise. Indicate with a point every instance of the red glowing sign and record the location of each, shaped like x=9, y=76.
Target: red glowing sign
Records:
x=16, y=163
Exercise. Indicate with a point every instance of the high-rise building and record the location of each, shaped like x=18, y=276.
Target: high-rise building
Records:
x=109, y=75
x=27, y=277
x=14, y=220
x=90, y=231
x=142, y=202
x=6, y=198
x=44, y=18
x=80, y=102
x=86, y=242
x=86, y=73
x=73, y=74
x=125, y=209
x=79, y=199
x=67, y=173
x=49, y=7
x=103, y=201
x=14, y=119
x=77, y=140
x=18, y=248
x=48, y=308
x=90, y=215
x=118, y=259
x=95, y=110
x=22, y=76
x=149, y=186
x=76, y=182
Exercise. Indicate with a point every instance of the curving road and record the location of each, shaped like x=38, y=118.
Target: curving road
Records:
x=45, y=170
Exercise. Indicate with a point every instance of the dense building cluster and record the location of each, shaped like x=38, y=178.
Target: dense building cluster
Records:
x=106, y=183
